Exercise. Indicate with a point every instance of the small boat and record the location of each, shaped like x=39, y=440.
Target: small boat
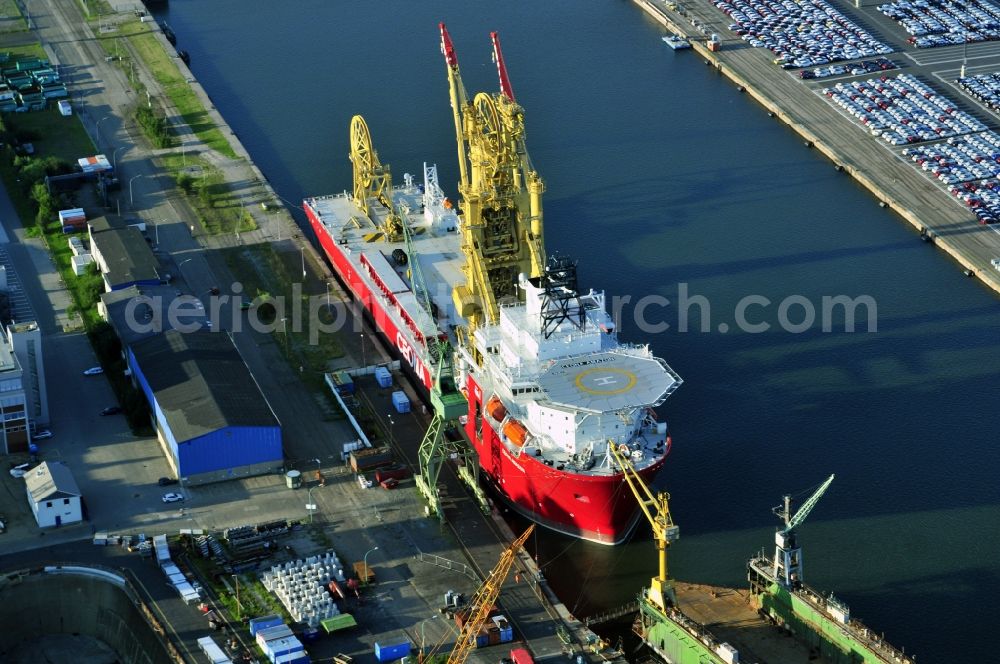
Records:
x=677, y=42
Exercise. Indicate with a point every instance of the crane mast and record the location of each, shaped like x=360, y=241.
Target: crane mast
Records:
x=787, y=552
x=502, y=230
x=656, y=508
x=483, y=601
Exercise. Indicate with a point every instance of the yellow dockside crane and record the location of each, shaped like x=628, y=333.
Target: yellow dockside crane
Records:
x=656, y=508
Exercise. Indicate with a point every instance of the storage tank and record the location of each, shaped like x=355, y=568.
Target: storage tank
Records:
x=293, y=479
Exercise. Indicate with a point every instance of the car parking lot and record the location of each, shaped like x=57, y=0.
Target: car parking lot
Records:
x=854, y=69
x=960, y=158
x=902, y=110
x=984, y=88
x=982, y=198
x=804, y=34
x=945, y=22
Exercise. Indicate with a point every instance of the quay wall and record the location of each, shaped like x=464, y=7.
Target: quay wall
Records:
x=754, y=88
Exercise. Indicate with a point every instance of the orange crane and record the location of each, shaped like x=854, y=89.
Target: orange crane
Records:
x=483, y=602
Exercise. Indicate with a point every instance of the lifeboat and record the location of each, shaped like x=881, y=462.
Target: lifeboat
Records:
x=496, y=409
x=515, y=432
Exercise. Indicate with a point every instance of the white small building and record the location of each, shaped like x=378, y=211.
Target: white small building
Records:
x=53, y=495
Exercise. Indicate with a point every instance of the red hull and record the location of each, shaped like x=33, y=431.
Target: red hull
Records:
x=596, y=508
x=362, y=293
x=599, y=508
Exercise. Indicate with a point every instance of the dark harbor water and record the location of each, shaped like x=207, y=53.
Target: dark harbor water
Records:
x=661, y=176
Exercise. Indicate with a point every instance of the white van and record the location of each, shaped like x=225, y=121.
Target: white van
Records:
x=65, y=108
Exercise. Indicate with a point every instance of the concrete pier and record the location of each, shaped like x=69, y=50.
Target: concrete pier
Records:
x=878, y=167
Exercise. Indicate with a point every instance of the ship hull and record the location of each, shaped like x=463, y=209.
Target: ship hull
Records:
x=348, y=274
x=598, y=508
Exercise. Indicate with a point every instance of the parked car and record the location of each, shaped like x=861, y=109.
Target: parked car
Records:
x=93, y=371
x=172, y=497
x=42, y=435
x=19, y=471
x=166, y=481
x=112, y=410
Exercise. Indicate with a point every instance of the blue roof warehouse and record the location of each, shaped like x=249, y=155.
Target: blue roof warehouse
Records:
x=211, y=418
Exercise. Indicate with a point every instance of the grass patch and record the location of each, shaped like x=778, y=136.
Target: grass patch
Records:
x=218, y=208
x=171, y=76
x=13, y=20
x=267, y=274
x=54, y=134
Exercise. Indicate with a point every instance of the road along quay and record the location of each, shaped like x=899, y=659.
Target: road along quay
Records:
x=882, y=170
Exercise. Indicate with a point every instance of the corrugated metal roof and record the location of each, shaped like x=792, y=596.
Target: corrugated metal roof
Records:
x=128, y=257
x=201, y=384
x=50, y=480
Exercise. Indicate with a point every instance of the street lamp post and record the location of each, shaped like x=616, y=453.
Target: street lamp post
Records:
x=366, y=563
x=302, y=251
x=364, y=363
x=422, y=641
x=239, y=608
x=131, y=199
x=284, y=332
x=391, y=423
x=97, y=128
x=311, y=506
x=114, y=156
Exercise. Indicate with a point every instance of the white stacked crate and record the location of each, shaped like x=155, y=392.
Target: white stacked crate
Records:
x=301, y=585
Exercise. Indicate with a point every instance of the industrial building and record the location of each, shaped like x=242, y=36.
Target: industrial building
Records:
x=54, y=497
x=136, y=313
x=25, y=340
x=211, y=418
x=14, y=423
x=122, y=254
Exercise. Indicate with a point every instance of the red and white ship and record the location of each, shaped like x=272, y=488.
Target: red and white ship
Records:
x=549, y=385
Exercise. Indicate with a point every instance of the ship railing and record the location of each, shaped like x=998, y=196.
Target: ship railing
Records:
x=763, y=565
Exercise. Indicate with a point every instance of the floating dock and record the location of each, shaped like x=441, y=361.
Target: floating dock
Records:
x=896, y=184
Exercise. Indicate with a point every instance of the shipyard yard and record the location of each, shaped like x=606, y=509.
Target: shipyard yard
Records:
x=937, y=169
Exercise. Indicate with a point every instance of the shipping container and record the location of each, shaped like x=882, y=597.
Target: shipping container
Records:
x=265, y=636
x=383, y=377
x=264, y=622
x=521, y=656
x=277, y=647
x=367, y=459
x=400, y=402
x=344, y=382
x=293, y=658
x=212, y=650
x=390, y=651
x=393, y=472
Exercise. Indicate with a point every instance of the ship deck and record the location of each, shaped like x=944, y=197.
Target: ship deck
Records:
x=727, y=613
x=437, y=248
x=607, y=382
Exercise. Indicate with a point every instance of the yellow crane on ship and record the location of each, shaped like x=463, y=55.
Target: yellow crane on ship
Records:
x=501, y=231
x=373, y=182
x=501, y=193
x=483, y=602
x=656, y=508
